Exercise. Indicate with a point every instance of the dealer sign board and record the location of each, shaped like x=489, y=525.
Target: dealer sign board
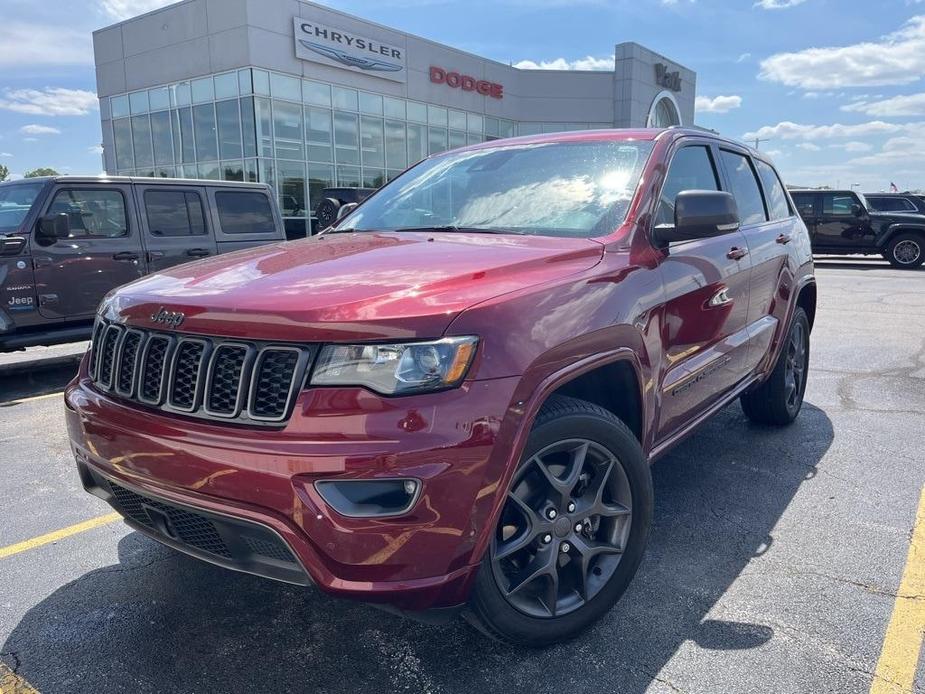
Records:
x=329, y=45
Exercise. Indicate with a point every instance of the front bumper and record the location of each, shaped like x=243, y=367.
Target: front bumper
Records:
x=255, y=484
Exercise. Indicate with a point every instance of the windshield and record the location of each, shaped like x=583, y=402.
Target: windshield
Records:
x=15, y=202
x=555, y=189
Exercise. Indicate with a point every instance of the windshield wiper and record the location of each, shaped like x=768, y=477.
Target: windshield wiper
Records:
x=452, y=228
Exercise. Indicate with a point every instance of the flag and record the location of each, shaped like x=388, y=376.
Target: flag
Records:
x=893, y=188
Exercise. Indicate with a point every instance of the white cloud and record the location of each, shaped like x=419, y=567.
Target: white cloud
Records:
x=775, y=153
x=897, y=58
x=906, y=105
x=853, y=146
x=778, y=4
x=586, y=63
x=40, y=44
x=742, y=58
x=38, y=130
x=809, y=147
x=51, y=101
x=788, y=130
x=717, y=104
x=5, y=155
x=124, y=9
x=95, y=149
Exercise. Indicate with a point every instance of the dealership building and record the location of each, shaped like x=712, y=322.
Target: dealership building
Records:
x=304, y=97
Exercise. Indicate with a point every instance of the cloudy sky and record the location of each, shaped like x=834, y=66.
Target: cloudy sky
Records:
x=834, y=89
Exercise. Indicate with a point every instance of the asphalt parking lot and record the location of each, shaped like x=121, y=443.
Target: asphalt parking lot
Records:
x=774, y=566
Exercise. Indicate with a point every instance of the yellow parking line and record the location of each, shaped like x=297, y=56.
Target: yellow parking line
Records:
x=34, y=398
x=47, y=538
x=899, y=658
x=11, y=683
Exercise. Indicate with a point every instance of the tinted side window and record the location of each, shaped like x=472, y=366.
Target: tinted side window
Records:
x=174, y=213
x=804, y=203
x=691, y=168
x=92, y=212
x=744, y=187
x=838, y=204
x=773, y=191
x=245, y=213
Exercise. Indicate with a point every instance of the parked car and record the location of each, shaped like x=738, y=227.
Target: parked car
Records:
x=66, y=241
x=842, y=222
x=450, y=401
x=896, y=202
x=332, y=199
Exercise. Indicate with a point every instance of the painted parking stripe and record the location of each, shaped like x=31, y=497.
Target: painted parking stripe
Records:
x=11, y=683
x=48, y=538
x=903, y=642
x=18, y=401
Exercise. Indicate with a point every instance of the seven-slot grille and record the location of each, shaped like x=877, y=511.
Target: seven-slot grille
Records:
x=246, y=382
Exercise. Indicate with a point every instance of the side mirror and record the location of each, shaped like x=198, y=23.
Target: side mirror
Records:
x=700, y=214
x=345, y=210
x=52, y=228
x=857, y=210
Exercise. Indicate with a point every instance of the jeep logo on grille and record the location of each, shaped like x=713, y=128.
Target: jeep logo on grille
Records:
x=172, y=319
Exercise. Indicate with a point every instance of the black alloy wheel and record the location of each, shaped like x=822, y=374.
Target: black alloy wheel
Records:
x=563, y=528
x=571, y=531
x=779, y=399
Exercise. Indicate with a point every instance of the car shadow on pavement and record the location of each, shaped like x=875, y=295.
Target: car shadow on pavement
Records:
x=160, y=621
x=20, y=384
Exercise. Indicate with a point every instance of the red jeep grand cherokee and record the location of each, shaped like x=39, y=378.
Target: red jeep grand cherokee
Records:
x=451, y=400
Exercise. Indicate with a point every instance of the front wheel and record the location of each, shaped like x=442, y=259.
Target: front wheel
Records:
x=778, y=400
x=905, y=251
x=572, y=531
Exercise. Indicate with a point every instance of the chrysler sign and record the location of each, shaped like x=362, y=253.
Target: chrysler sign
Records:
x=321, y=43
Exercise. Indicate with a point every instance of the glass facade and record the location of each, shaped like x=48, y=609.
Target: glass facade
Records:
x=299, y=136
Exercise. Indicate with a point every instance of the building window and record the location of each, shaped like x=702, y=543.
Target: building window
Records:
x=287, y=130
x=161, y=134
x=292, y=188
x=318, y=134
x=371, y=141
x=346, y=141
x=122, y=139
x=204, y=129
x=228, y=116
x=396, y=153
x=345, y=98
x=141, y=136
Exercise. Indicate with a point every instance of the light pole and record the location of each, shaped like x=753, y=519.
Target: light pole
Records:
x=759, y=140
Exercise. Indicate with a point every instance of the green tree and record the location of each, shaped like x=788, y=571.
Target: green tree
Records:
x=4, y=173
x=41, y=171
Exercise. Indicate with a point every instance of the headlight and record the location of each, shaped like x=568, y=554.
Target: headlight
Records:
x=397, y=369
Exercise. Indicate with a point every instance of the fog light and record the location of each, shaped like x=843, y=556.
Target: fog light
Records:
x=370, y=498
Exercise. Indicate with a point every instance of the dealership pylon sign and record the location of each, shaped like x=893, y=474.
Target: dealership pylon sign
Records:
x=329, y=45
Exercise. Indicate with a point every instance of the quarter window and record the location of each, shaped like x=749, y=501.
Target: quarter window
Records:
x=744, y=187
x=245, y=213
x=804, y=203
x=691, y=168
x=92, y=213
x=174, y=213
x=773, y=191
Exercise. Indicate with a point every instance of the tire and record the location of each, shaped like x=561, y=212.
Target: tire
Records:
x=326, y=212
x=612, y=477
x=906, y=251
x=779, y=399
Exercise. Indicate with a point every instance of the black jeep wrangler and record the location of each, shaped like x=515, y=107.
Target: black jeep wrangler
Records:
x=841, y=222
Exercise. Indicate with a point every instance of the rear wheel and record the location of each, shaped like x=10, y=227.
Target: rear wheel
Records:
x=572, y=531
x=779, y=399
x=906, y=251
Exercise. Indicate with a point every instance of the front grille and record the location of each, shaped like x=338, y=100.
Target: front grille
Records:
x=189, y=528
x=213, y=378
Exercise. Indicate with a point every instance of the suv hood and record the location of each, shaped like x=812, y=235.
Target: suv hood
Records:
x=350, y=286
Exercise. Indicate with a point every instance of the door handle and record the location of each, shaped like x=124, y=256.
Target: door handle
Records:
x=783, y=239
x=155, y=255
x=736, y=253
x=198, y=252
x=125, y=255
